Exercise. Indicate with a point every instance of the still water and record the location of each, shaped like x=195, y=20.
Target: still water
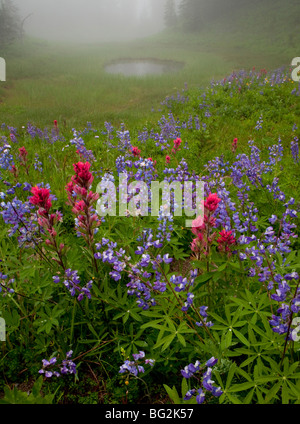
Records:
x=142, y=67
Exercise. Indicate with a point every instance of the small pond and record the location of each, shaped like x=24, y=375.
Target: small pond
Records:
x=143, y=67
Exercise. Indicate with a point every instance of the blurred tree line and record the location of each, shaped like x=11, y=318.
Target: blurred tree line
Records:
x=10, y=23
x=195, y=15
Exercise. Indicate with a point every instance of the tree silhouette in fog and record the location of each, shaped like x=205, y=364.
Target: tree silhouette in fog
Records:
x=10, y=25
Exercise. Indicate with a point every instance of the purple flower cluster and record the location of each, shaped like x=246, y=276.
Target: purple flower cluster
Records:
x=46, y=135
x=6, y=158
x=134, y=367
x=259, y=123
x=206, y=383
x=124, y=139
x=38, y=165
x=295, y=149
x=71, y=281
x=204, y=315
x=180, y=98
x=19, y=216
x=81, y=149
x=112, y=256
x=165, y=227
x=264, y=251
x=169, y=127
x=185, y=285
x=140, y=275
x=52, y=368
x=5, y=283
x=144, y=275
x=261, y=249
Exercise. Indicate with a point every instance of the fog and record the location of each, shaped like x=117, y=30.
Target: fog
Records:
x=91, y=20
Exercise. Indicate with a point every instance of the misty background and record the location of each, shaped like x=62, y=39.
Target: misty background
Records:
x=92, y=20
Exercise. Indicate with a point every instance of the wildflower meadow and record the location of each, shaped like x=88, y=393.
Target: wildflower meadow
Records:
x=105, y=302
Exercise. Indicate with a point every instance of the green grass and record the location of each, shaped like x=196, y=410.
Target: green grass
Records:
x=67, y=82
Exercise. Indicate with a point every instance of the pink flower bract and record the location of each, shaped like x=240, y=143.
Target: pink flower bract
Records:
x=83, y=176
x=41, y=198
x=212, y=202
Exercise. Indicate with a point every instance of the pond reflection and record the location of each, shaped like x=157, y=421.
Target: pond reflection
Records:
x=142, y=67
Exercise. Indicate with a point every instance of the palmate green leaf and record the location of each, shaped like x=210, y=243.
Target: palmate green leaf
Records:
x=295, y=390
x=271, y=394
x=15, y=396
x=202, y=279
x=184, y=387
x=183, y=328
x=134, y=315
x=152, y=314
x=181, y=339
x=228, y=339
x=267, y=379
x=236, y=267
x=165, y=341
x=248, y=360
x=241, y=387
x=173, y=394
x=141, y=343
x=240, y=302
x=234, y=399
x=219, y=319
x=285, y=394
x=240, y=336
x=155, y=324
x=249, y=397
x=244, y=374
x=125, y=317
x=170, y=323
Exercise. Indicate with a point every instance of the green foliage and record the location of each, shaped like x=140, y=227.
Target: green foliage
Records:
x=255, y=364
x=15, y=396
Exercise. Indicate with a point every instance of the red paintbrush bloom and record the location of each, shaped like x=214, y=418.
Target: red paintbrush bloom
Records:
x=83, y=176
x=212, y=202
x=234, y=144
x=225, y=240
x=198, y=225
x=168, y=159
x=41, y=198
x=14, y=171
x=79, y=207
x=135, y=151
x=177, y=143
x=23, y=152
x=70, y=187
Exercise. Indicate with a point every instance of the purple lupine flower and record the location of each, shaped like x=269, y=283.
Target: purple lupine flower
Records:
x=295, y=149
x=134, y=367
x=206, y=383
x=50, y=367
x=189, y=394
x=5, y=284
x=71, y=281
x=200, y=396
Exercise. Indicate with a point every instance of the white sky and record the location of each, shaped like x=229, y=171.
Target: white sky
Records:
x=91, y=20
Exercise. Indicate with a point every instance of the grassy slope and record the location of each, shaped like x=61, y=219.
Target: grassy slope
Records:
x=231, y=116
x=68, y=82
